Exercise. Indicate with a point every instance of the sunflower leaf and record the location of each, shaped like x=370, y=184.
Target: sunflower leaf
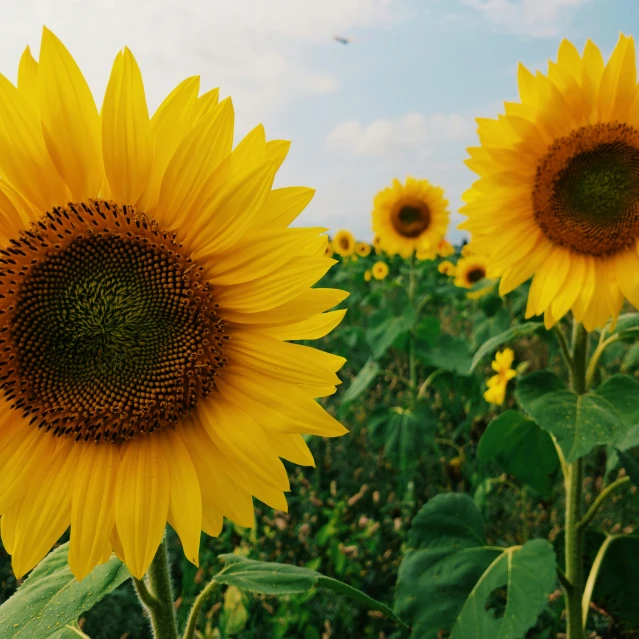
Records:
x=51, y=597
x=494, y=343
x=362, y=381
x=270, y=578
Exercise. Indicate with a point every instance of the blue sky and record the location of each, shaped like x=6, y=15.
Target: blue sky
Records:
x=399, y=100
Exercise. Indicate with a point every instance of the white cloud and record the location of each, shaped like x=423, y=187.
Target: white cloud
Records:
x=255, y=50
x=540, y=18
x=413, y=133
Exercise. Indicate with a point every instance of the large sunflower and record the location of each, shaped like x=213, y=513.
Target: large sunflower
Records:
x=410, y=217
x=148, y=284
x=558, y=194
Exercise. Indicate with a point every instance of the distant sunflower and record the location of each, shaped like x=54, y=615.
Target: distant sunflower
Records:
x=446, y=268
x=363, y=249
x=558, y=193
x=148, y=286
x=344, y=243
x=410, y=217
x=367, y=275
x=469, y=271
x=445, y=248
x=328, y=251
x=379, y=270
x=377, y=245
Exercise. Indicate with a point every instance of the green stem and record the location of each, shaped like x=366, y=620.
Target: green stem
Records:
x=573, y=483
x=428, y=381
x=399, y=378
x=592, y=578
x=592, y=366
x=596, y=505
x=156, y=595
x=191, y=624
x=412, y=282
x=563, y=345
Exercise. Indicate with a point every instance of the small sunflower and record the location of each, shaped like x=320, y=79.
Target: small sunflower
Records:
x=445, y=248
x=344, y=243
x=469, y=271
x=379, y=270
x=557, y=197
x=410, y=217
x=148, y=286
x=363, y=249
x=497, y=384
x=367, y=275
x=447, y=268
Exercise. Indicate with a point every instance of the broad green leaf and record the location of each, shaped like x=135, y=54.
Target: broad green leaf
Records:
x=492, y=326
x=628, y=441
x=428, y=330
x=579, y=422
x=495, y=342
x=362, y=381
x=522, y=449
x=631, y=358
x=50, y=597
x=626, y=327
x=449, y=353
x=630, y=464
x=270, y=578
x=622, y=391
x=382, y=337
x=69, y=632
x=529, y=574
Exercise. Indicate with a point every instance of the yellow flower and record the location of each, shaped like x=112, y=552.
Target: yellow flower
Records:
x=445, y=248
x=354, y=258
x=367, y=276
x=426, y=254
x=410, y=217
x=447, y=268
x=379, y=270
x=377, y=245
x=469, y=271
x=558, y=194
x=502, y=365
x=363, y=249
x=344, y=243
x=146, y=372
x=467, y=250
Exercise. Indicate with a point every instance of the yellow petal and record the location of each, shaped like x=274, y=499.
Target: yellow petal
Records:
x=45, y=512
x=292, y=447
x=250, y=152
x=282, y=206
x=92, y=506
x=8, y=528
x=126, y=132
x=28, y=77
x=618, y=82
x=141, y=502
x=205, y=104
x=312, y=328
x=276, y=152
x=184, y=185
x=70, y=120
x=185, y=510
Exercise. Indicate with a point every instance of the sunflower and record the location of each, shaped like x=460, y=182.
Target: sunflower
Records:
x=377, y=245
x=469, y=271
x=426, y=254
x=344, y=243
x=447, y=268
x=367, y=275
x=558, y=194
x=496, y=392
x=410, y=217
x=445, y=248
x=363, y=249
x=379, y=270
x=148, y=284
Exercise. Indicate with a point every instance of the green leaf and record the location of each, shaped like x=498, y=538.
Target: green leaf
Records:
x=622, y=391
x=630, y=464
x=450, y=354
x=428, y=330
x=50, y=597
x=529, y=574
x=627, y=326
x=362, y=381
x=492, y=344
x=579, y=422
x=69, y=632
x=444, y=577
x=522, y=449
x=270, y=578
x=382, y=337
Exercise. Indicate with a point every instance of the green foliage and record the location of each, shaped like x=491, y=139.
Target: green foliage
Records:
x=51, y=597
x=580, y=422
x=449, y=576
x=362, y=381
x=494, y=343
x=522, y=449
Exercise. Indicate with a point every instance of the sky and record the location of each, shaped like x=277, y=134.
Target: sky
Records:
x=400, y=99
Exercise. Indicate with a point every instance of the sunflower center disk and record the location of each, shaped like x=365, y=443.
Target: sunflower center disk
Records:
x=411, y=220
x=586, y=195
x=475, y=275
x=108, y=331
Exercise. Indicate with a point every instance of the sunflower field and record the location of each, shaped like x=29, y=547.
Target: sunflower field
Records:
x=218, y=424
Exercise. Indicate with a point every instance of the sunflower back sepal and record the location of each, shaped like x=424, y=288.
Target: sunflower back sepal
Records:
x=51, y=597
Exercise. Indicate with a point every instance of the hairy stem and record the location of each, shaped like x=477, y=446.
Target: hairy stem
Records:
x=191, y=624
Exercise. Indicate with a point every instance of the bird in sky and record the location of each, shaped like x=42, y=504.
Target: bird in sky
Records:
x=342, y=40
